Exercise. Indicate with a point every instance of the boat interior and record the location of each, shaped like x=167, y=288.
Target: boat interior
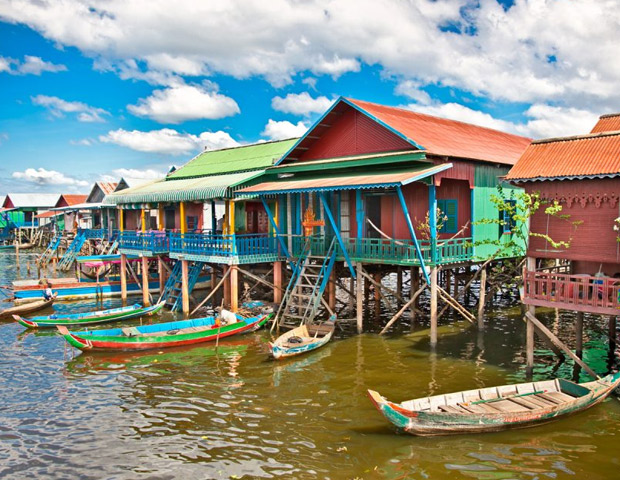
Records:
x=521, y=397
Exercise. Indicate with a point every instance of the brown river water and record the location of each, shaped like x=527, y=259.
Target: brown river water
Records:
x=232, y=413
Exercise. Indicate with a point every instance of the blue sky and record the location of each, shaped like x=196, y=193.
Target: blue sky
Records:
x=95, y=90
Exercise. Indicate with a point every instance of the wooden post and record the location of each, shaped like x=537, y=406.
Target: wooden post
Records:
x=185, y=285
x=227, y=287
x=277, y=282
x=579, y=335
x=360, y=298
x=123, y=277
x=530, y=265
x=161, y=273
x=377, y=295
x=434, y=306
x=351, y=297
x=612, y=333
x=234, y=288
x=414, y=284
x=331, y=297
x=145, y=282
x=399, y=279
x=482, y=297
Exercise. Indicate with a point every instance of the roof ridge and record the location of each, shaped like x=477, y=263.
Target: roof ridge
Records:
x=585, y=136
x=608, y=115
x=405, y=110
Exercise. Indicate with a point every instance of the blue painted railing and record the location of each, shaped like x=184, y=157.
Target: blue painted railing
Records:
x=154, y=242
x=205, y=244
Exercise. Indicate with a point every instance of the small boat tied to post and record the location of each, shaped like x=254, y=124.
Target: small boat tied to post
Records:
x=493, y=409
x=303, y=339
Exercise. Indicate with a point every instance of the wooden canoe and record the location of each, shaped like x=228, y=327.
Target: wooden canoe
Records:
x=302, y=339
x=161, y=335
x=26, y=308
x=495, y=408
x=90, y=318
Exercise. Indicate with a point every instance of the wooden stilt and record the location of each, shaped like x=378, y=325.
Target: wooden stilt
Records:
x=414, y=285
x=579, y=335
x=351, y=297
x=434, y=272
x=545, y=331
x=399, y=279
x=123, y=277
x=213, y=290
x=185, y=286
x=529, y=341
x=161, y=274
x=227, y=287
x=331, y=290
x=145, y=282
x=482, y=298
x=277, y=282
x=612, y=333
x=234, y=288
x=411, y=301
x=360, y=298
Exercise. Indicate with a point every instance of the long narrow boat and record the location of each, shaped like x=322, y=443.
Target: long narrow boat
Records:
x=302, y=339
x=73, y=289
x=7, y=247
x=495, y=408
x=27, y=308
x=90, y=318
x=161, y=335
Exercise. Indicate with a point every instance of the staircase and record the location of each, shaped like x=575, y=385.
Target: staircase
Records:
x=174, y=285
x=50, y=251
x=303, y=295
x=73, y=251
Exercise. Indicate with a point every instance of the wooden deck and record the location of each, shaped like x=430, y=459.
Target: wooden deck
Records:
x=582, y=293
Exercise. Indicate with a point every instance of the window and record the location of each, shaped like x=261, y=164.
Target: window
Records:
x=506, y=216
x=192, y=222
x=449, y=211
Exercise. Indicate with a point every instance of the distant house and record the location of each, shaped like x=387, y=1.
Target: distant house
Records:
x=583, y=174
x=20, y=209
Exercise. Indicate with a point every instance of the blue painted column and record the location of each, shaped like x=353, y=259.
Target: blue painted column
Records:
x=337, y=233
x=473, y=218
x=403, y=205
x=359, y=213
x=432, y=220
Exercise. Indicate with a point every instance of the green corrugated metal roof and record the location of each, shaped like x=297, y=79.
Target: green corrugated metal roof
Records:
x=183, y=190
x=238, y=159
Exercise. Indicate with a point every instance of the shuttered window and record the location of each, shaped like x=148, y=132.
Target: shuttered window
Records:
x=449, y=211
x=507, y=218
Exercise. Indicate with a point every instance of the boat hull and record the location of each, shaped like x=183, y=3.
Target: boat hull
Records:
x=23, y=309
x=113, y=315
x=95, y=342
x=281, y=348
x=421, y=423
x=84, y=290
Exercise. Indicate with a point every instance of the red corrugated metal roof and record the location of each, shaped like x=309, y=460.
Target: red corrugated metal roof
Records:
x=607, y=123
x=47, y=214
x=107, y=187
x=74, y=199
x=593, y=155
x=449, y=137
x=348, y=182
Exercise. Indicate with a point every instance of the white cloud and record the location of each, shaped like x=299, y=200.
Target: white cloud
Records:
x=412, y=89
x=30, y=66
x=168, y=141
x=84, y=142
x=41, y=176
x=133, y=176
x=58, y=107
x=562, y=52
x=300, y=104
x=185, y=102
x=280, y=130
x=3, y=137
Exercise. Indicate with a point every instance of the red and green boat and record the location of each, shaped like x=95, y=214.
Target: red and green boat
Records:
x=90, y=318
x=495, y=408
x=162, y=335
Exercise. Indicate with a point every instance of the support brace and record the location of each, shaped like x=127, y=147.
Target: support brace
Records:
x=275, y=228
x=418, y=252
x=337, y=232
